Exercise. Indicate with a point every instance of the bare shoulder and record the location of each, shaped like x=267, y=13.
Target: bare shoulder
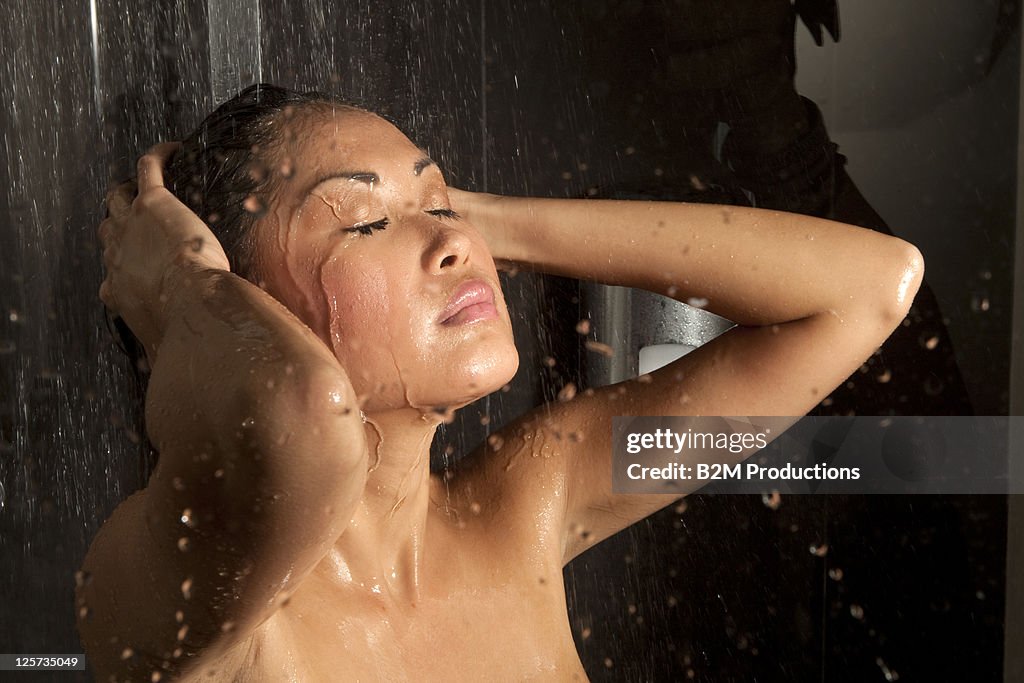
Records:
x=515, y=482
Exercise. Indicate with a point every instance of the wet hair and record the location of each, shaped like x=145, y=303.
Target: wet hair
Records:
x=228, y=171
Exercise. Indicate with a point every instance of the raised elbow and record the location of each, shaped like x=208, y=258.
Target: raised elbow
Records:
x=910, y=265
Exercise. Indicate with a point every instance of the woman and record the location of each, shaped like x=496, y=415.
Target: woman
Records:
x=292, y=529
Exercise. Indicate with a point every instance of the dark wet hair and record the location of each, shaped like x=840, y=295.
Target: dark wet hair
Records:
x=227, y=171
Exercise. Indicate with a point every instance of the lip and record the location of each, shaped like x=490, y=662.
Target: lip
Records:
x=471, y=301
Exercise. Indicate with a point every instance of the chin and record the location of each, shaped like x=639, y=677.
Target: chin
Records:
x=469, y=382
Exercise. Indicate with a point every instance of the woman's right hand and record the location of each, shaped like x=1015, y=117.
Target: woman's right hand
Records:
x=151, y=244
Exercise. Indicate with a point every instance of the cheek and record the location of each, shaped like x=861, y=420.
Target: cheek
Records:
x=358, y=302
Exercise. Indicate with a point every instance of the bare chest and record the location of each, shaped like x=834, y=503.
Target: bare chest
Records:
x=483, y=617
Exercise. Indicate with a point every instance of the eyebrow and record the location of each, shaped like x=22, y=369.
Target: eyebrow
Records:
x=368, y=177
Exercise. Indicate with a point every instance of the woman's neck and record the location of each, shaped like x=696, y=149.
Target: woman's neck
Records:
x=382, y=548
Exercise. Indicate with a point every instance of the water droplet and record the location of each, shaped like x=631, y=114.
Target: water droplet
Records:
x=598, y=347
x=548, y=361
x=227, y=626
x=474, y=507
x=253, y=205
x=179, y=616
x=127, y=653
x=608, y=663
x=771, y=501
x=178, y=483
x=196, y=244
x=819, y=550
x=182, y=632
x=84, y=613
x=979, y=303
x=13, y=316
x=156, y=676
x=567, y=393
x=495, y=442
x=186, y=518
x=485, y=420
x=697, y=301
x=583, y=327
x=835, y=573
x=183, y=544
x=186, y=588
x=930, y=342
x=7, y=346
x=585, y=633
x=884, y=377
x=857, y=612
x=83, y=578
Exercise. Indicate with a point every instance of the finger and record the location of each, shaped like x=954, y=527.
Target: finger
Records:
x=151, y=165
x=119, y=199
x=105, y=295
x=105, y=228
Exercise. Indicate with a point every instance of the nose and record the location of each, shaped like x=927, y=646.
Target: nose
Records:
x=447, y=248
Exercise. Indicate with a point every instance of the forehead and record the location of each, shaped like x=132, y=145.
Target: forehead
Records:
x=348, y=139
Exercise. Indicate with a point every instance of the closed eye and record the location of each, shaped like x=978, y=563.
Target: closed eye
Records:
x=444, y=213
x=368, y=228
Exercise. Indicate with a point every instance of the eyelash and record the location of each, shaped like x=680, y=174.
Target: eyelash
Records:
x=368, y=228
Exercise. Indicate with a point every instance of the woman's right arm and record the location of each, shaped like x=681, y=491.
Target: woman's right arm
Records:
x=262, y=450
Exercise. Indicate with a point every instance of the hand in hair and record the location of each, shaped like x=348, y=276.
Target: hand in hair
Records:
x=151, y=244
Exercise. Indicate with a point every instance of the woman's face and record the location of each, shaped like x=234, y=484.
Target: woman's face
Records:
x=361, y=244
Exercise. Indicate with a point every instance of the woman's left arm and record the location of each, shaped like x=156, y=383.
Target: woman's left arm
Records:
x=812, y=299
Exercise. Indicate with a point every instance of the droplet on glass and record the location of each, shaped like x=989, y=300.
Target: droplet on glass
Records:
x=857, y=612
x=495, y=442
x=183, y=544
x=187, y=518
x=567, y=393
x=583, y=327
x=182, y=632
x=82, y=578
x=819, y=550
x=979, y=303
x=835, y=573
x=598, y=347
x=697, y=301
x=771, y=501
x=608, y=663
x=84, y=613
x=884, y=377
x=186, y=588
x=548, y=361
x=930, y=342
x=179, y=616
x=155, y=676
x=196, y=244
x=253, y=205
x=585, y=633
x=127, y=653
x=287, y=168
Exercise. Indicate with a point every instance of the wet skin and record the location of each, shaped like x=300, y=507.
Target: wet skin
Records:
x=317, y=545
